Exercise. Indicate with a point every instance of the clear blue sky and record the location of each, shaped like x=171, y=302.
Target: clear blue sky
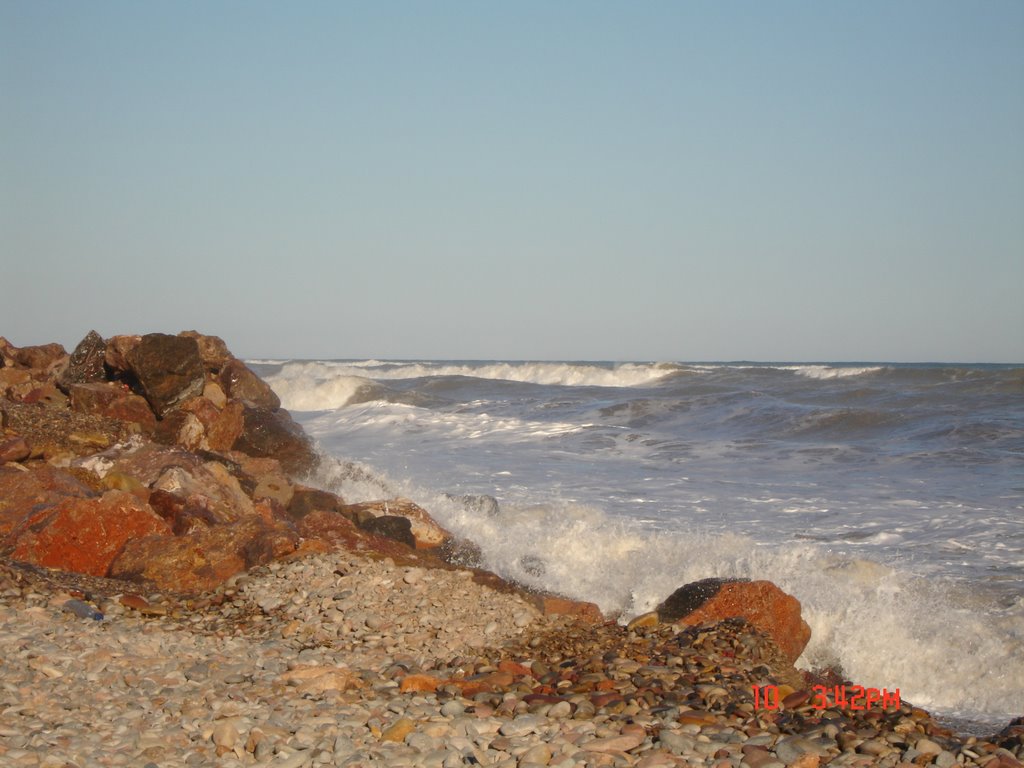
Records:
x=568, y=180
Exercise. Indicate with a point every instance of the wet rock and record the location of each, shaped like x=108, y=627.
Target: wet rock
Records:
x=426, y=532
x=760, y=602
x=274, y=434
x=84, y=535
x=168, y=370
x=392, y=527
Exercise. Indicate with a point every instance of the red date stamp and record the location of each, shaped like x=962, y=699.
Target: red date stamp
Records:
x=855, y=698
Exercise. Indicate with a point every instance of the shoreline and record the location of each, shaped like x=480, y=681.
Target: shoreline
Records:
x=260, y=621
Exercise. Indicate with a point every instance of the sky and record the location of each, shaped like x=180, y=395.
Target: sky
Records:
x=521, y=180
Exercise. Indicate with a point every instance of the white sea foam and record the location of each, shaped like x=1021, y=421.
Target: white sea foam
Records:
x=309, y=387
x=830, y=371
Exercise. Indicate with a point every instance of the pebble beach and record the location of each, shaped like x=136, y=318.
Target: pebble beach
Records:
x=343, y=660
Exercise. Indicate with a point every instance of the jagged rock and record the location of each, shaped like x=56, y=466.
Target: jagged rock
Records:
x=760, y=602
x=240, y=383
x=211, y=487
x=49, y=395
x=205, y=557
x=305, y=500
x=168, y=369
x=223, y=433
x=42, y=357
x=212, y=349
x=86, y=363
x=462, y=553
x=23, y=492
x=391, y=526
x=426, y=532
x=111, y=400
x=84, y=535
x=274, y=434
x=116, y=355
x=182, y=515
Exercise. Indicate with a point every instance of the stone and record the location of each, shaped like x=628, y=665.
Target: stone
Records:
x=86, y=363
x=205, y=557
x=305, y=500
x=211, y=487
x=552, y=605
x=168, y=369
x=643, y=621
x=621, y=743
x=41, y=357
x=212, y=349
x=227, y=428
x=392, y=527
x=47, y=394
x=274, y=434
x=239, y=383
x=23, y=493
x=398, y=730
x=115, y=356
x=426, y=531
x=111, y=400
x=761, y=603
x=84, y=535
x=275, y=487
x=14, y=449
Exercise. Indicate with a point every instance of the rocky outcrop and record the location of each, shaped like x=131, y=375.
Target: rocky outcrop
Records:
x=168, y=370
x=761, y=603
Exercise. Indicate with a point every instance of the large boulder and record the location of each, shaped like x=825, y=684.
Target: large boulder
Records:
x=205, y=557
x=239, y=383
x=274, y=434
x=426, y=532
x=212, y=349
x=168, y=369
x=84, y=535
x=761, y=603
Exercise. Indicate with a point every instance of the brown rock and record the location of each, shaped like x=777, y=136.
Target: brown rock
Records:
x=274, y=434
x=84, y=535
x=41, y=357
x=14, y=449
x=392, y=527
x=86, y=363
x=398, y=730
x=210, y=487
x=305, y=500
x=227, y=428
x=760, y=602
x=182, y=515
x=212, y=349
x=419, y=684
x=275, y=487
x=426, y=532
x=149, y=461
x=240, y=383
x=116, y=355
x=205, y=557
x=15, y=383
x=551, y=605
x=113, y=401
x=48, y=394
x=168, y=369
x=22, y=493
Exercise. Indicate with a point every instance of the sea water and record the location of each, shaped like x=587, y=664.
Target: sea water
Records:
x=889, y=499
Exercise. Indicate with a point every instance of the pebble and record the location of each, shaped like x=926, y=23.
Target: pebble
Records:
x=301, y=664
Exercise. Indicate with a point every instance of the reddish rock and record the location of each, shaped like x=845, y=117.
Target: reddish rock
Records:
x=761, y=603
x=48, y=394
x=560, y=606
x=168, y=369
x=205, y=557
x=226, y=430
x=149, y=461
x=14, y=449
x=274, y=434
x=337, y=530
x=212, y=349
x=204, y=410
x=41, y=357
x=15, y=383
x=240, y=383
x=113, y=401
x=84, y=535
x=181, y=514
x=24, y=493
x=210, y=487
x=86, y=363
x=116, y=354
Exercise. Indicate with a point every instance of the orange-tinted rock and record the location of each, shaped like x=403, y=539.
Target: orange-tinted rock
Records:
x=240, y=383
x=204, y=410
x=419, y=683
x=41, y=357
x=210, y=487
x=168, y=369
x=227, y=428
x=113, y=401
x=205, y=557
x=24, y=493
x=84, y=535
x=47, y=394
x=561, y=606
x=14, y=449
x=116, y=355
x=761, y=603
x=305, y=500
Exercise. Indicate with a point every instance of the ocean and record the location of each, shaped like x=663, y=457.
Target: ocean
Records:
x=888, y=498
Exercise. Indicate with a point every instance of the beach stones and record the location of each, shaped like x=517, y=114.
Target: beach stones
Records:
x=760, y=602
